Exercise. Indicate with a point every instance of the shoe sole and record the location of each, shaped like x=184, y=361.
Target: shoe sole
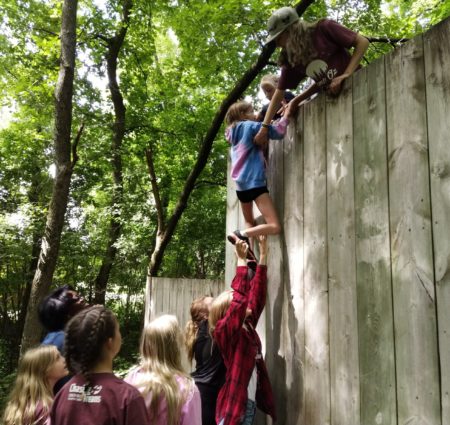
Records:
x=250, y=254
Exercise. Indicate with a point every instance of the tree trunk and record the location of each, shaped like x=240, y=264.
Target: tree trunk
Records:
x=115, y=229
x=64, y=167
x=33, y=199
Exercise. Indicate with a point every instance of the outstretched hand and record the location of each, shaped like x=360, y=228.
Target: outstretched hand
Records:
x=241, y=249
x=335, y=86
x=262, y=242
x=291, y=109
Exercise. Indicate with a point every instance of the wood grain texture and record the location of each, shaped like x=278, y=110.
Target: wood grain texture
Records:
x=344, y=380
x=373, y=265
x=437, y=85
x=417, y=366
x=293, y=327
x=317, y=348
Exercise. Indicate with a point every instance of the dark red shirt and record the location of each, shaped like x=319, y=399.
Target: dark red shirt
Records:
x=331, y=41
x=107, y=401
x=241, y=349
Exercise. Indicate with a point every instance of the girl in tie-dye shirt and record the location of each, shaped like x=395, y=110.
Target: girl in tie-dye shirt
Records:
x=248, y=170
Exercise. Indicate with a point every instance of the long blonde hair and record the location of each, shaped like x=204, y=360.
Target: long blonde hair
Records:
x=218, y=308
x=31, y=388
x=199, y=312
x=299, y=45
x=161, y=364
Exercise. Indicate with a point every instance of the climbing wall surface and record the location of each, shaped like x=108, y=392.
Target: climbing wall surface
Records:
x=357, y=322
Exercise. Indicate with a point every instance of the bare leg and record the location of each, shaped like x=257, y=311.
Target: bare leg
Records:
x=247, y=211
x=267, y=209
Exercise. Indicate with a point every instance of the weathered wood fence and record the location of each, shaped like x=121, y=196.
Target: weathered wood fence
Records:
x=174, y=296
x=357, y=324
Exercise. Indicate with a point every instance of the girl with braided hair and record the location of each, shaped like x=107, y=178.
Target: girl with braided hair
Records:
x=170, y=394
x=32, y=395
x=209, y=373
x=95, y=396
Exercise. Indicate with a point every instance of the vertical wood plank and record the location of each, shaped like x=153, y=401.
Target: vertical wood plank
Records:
x=437, y=65
x=293, y=329
x=275, y=356
x=232, y=223
x=418, y=394
x=375, y=315
x=341, y=262
x=317, y=362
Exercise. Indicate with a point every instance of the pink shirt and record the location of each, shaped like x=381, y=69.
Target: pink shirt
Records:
x=41, y=416
x=191, y=411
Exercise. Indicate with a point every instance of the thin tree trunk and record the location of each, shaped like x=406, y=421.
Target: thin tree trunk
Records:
x=33, y=199
x=64, y=167
x=115, y=228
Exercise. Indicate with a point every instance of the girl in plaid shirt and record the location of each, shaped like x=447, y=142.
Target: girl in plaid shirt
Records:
x=233, y=318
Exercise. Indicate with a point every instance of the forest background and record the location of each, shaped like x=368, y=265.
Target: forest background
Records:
x=148, y=85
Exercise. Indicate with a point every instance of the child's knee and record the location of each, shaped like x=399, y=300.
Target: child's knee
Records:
x=276, y=228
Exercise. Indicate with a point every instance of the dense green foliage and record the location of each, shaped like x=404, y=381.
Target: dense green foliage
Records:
x=179, y=60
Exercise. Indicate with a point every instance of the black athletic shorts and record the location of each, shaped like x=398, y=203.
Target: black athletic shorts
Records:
x=251, y=194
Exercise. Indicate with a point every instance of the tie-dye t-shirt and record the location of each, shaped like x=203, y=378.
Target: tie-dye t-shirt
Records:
x=247, y=159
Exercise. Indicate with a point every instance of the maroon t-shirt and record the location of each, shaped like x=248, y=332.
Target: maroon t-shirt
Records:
x=107, y=401
x=331, y=41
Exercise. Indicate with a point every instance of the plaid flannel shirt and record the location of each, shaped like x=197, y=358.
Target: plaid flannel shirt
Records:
x=241, y=349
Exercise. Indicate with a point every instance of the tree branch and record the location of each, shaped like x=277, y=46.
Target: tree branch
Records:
x=387, y=40
x=155, y=189
x=75, y=144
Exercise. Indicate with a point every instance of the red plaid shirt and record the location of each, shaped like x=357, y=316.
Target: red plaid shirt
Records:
x=241, y=349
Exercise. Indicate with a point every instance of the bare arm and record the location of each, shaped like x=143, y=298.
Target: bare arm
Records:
x=361, y=44
x=262, y=136
x=262, y=241
x=293, y=104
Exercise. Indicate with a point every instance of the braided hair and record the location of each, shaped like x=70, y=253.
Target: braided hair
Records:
x=86, y=333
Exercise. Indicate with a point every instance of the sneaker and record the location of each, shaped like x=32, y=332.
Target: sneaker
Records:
x=235, y=236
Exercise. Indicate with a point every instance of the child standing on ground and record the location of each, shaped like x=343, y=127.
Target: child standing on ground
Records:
x=233, y=318
x=170, y=394
x=248, y=170
x=95, y=396
x=32, y=395
x=209, y=373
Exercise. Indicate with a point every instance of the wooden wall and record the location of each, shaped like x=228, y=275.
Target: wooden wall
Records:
x=357, y=323
x=174, y=296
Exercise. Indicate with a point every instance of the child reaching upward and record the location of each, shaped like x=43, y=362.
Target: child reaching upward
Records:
x=248, y=170
x=233, y=318
x=170, y=394
x=95, y=396
x=32, y=395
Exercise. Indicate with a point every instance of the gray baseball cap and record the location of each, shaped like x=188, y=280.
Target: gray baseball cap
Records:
x=279, y=21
